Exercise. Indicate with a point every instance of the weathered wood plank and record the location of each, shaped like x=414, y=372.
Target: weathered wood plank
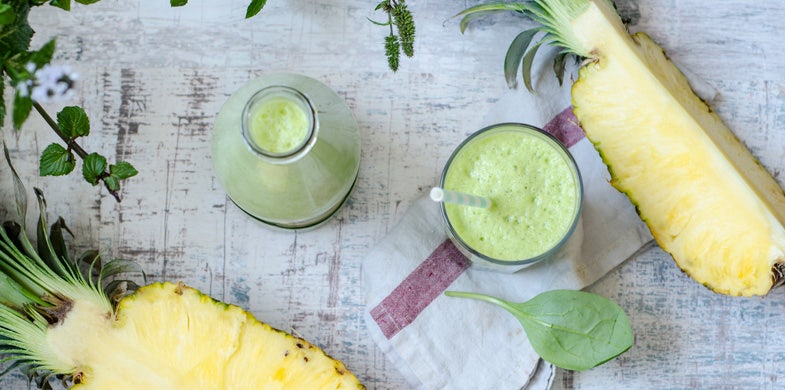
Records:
x=153, y=79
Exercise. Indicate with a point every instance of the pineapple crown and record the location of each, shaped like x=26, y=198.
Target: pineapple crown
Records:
x=554, y=18
x=40, y=283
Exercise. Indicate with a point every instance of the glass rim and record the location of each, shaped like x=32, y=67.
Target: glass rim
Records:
x=573, y=167
x=303, y=147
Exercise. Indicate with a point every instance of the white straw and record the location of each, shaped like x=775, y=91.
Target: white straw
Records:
x=447, y=196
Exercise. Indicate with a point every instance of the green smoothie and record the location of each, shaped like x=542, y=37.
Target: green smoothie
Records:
x=533, y=186
x=286, y=149
x=279, y=125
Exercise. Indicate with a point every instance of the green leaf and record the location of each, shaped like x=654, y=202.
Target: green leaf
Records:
x=478, y=11
x=112, y=183
x=254, y=8
x=122, y=170
x=387, y=23
x=383, y=4
x=515, y=55
x=528, y=61
x=93, y=167
x=2, y=99
x=121, y=266
x=56, y=161
x=22, y=107
x=62, y=4
x=87, y=1
x=15, y=37
x=574, y=330
x=559, y=62
x=178, y=3
x=7, y=14
x=20, y=194
x=57, y=236
x=73, y=122
x=43, y=55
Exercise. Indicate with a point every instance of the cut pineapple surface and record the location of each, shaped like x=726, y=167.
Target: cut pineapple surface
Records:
x=705, y=198
x=168, y=336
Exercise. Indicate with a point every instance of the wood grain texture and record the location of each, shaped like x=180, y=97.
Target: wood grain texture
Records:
x=153, y=79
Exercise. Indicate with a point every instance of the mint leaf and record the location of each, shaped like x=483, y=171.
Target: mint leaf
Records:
x=254, y=8
x=56, y=161
x=22, y=107
x=122, y=170
x=86, y=1
x=178, y=3
x=43, y=55
x=7, y=14
x=93, y=167
x=574, y=330
x=62, y=4
x=15, y=37
x=112, y=183
x=73, y=122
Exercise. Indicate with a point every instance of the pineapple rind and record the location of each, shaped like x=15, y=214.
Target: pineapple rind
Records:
x=705, y=198
x=169, y=336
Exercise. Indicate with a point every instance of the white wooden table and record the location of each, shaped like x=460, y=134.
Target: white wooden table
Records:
x=153, y=79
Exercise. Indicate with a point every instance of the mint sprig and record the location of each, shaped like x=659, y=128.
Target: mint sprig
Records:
x=22, y=69
x=72, y=123
x=571, y=329
x=252, y=10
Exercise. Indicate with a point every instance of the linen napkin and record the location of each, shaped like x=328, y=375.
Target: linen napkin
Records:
x=440, y=342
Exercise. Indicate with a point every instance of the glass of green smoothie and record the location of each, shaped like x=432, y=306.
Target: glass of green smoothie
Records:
x=286, y=150
x=535, y=192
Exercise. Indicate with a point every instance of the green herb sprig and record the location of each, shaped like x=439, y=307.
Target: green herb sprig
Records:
x=574, y=330
x=35, y=82
x=402, y=31
x=252, y=10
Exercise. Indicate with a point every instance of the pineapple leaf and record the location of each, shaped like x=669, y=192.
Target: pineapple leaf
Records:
x=56, y=234
x=528, y=61
x=2, y=98
x=515, y=55
x=46, y=248
x=554, y=18
x=20, y=194
x=482, y=10
x=559, y=63
x=121, y=266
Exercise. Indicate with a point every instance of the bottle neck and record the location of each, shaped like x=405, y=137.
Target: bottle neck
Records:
x=279, y=124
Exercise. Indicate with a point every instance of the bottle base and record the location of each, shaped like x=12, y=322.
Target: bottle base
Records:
x=312, y=223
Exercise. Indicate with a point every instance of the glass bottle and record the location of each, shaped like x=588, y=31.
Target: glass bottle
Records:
x=293, y=185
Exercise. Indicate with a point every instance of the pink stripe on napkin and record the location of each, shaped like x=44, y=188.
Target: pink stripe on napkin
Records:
x=565, y=127
x=419, y=289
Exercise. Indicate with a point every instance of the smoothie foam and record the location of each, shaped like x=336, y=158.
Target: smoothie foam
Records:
x=532, y=186
x=278, y=125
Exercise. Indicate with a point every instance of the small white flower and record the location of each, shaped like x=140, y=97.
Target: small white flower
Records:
x=53, y=83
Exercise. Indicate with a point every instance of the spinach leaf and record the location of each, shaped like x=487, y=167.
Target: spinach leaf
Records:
x=574, y=330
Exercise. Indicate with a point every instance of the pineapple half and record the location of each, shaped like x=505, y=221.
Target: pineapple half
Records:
x=705, y=198
x=57, y=320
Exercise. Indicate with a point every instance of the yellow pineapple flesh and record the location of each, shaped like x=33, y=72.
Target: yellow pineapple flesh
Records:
x=706, y=199
x=169, y=336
